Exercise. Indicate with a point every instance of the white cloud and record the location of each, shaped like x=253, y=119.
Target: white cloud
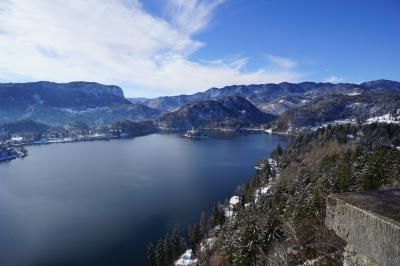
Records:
x=191, y=16
x=333, y=79
x=283, y=62
x=117, y=42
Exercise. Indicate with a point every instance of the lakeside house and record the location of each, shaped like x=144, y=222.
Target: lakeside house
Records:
x=273, y=164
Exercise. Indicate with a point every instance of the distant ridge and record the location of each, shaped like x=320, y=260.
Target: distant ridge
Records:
x=77, y=94
x=263, y=94
x=60, y=103
x=304, y=104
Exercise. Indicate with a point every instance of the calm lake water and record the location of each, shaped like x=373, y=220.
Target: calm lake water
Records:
x=99, y=203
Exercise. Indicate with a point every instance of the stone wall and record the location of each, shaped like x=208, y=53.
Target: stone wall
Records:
x=372, y=237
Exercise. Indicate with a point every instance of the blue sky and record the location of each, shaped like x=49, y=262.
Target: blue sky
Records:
x=354, y=40
x=167, y=47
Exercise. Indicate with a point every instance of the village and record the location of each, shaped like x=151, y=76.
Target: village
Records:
x=12, y=146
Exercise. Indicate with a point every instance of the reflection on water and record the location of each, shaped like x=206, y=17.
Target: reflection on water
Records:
x=98, y=203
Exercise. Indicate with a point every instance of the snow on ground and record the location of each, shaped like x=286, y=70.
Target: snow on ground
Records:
x=335, y=122
x=261, y=191
x=387, y=118
x=72, y=111
x=354, y=93
x=321, y=260
x=310, y=262
x=341, y=122
x=269, y=131
x=208, y=244
x=228, y=212
x=186, y=259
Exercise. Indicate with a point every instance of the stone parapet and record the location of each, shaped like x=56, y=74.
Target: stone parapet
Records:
x=369, y=222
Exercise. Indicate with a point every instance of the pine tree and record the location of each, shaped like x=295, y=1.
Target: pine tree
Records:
x=176, y=245
x=343, y=173
x=167, y=250
x=151, y=259
x=278, y=151
x=203, y=223
x=218, y=215
x=242, y=199
x=160, y=257
x=267, y=170
x=375, y=170
x=194, y=237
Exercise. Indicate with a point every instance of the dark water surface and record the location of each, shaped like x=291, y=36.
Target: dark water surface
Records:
x=99, y=203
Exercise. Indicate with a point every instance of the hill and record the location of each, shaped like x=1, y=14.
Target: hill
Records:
x=24, y=126
x=340, y=108
x=229, y=112
x=59, y=103
x=132, y=129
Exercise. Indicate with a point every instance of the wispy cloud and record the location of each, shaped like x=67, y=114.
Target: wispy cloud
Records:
x=118, y=42
x=283, y=62
x=191, y=16
x=333, y=79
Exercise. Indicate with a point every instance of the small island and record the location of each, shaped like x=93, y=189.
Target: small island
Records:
x=8, y=153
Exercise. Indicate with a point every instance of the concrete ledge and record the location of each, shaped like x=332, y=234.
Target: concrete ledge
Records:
x=369, y=223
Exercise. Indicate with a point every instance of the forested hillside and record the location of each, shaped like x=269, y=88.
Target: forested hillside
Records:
x=340, y=108
x=278, y=217
x=57, y=104
x=230, y=112
x=271, y=97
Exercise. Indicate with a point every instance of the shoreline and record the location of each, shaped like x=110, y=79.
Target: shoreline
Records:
x=222, y=131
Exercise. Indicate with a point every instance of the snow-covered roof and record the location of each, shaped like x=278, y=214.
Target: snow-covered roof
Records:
x=186, y=259
x=234, y=200
x=272, y=162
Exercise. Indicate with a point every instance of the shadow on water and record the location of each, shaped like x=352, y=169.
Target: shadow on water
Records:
x=99, y=203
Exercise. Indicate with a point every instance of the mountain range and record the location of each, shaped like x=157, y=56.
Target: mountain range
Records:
x=295, y=105
x=304, y=104
x=270, y=97
x=60, y=103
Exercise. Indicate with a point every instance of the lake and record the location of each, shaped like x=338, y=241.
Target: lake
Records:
x=99, y=203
